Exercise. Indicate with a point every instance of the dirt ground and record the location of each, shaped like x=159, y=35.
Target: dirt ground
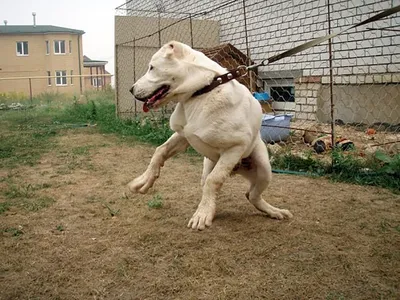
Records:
x=92, y=242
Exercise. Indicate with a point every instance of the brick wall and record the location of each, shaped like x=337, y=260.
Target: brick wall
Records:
x=277, y=25
x=361, y=56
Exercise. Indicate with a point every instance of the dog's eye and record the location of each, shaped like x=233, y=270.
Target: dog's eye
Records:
x=151, y=67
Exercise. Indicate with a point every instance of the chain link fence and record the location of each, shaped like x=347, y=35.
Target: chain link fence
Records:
x=20, y=93
x=347, y=89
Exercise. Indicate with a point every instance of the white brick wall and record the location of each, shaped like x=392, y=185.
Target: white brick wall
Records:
x=276, y=25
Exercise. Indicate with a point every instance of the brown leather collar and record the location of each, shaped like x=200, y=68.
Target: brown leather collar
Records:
x=221, y=79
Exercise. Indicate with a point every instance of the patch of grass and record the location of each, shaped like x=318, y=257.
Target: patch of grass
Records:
x=155, y=202
x=373, y=171
x=307, y=163
x=84, y=150
x=24, y=196
x=113, y=212
x=23, y=148
x=37, y=204
x=335, y=296
x=13, y=191
x=15, y=232
x=379, y=170
x=4, y=206
x=60, y=227
x=100, y=110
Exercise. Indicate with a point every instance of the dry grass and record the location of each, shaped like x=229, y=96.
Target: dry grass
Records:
x=343, y=242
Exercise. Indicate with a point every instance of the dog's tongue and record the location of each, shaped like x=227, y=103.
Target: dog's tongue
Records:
x=145, y=107
x=153, y=99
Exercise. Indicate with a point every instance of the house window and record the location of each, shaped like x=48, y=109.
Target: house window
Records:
x=72, y=72
x=97, y=82
x=48, y=78
x=61, y=77
x=47, y=48
x=282, y=93
x=59, y=47
x=22, y=48
x=70, y=46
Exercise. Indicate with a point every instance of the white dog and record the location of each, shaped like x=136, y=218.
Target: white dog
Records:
x=223, y=125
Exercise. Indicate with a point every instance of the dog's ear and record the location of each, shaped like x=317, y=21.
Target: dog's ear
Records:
x=174, y=49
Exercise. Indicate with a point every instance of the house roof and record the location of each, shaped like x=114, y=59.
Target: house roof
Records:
x=38, y=29
x=87, y=62
x=224, y=52
x=230, y=57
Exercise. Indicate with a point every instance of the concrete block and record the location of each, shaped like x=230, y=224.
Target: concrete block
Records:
x=378, y=69
x=301, y=100
x=396, y=78
x=311, y=116
x=325, y=79
x=301, y=116
x=360, y=79
x=312, y=101
x=308, y=108
x=369, y=79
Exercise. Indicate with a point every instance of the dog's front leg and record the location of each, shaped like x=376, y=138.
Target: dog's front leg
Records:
x=175, y=144
x=213, y=182
x=208, y=166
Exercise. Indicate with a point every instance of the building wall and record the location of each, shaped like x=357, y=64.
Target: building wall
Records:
x=133, y=57
x=278, y=25
x=37, y=63
x=360, y=57
x=95, y=72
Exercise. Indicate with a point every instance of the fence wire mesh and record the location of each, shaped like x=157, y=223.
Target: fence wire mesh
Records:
x=350, y=92
x=22, y=93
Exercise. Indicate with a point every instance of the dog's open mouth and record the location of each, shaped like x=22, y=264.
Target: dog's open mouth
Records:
x=154, y=100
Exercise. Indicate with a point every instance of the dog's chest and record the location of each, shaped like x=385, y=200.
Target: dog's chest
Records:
x=194, y=131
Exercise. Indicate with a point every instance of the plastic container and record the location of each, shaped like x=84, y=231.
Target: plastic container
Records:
x=261, y=96
x=270, y=133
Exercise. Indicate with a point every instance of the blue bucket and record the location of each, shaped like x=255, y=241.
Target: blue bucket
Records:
x=270, y=133
x=261, y=96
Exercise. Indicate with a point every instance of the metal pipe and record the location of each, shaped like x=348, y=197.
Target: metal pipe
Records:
x=97, y=78
x=116, y=81
x=30, y=90
x=248, y=60
x=159, y=29
x=134, y=71
x=51, y=76
x=80, y=67
x=191, y=30
x=331, y=80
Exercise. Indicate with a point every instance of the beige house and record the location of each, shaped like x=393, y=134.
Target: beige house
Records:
x=98, y=78
x=52, y=52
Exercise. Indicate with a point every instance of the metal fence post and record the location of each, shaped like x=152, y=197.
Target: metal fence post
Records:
x=30, y=90
x=331, y=82
x=248, y=59
x=134, y=70
x=191, y=30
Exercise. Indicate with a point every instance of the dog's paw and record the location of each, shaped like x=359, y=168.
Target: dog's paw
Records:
x=203, y=217
x=143, y=183
x=281, y=214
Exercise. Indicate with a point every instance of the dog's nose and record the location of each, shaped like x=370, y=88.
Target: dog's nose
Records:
x=131, y=90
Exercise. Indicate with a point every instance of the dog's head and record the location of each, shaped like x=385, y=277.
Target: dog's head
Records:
x=165, y=74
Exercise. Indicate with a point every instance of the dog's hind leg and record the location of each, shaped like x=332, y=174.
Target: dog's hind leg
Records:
x=260, y=176
x=172, y=146
x=206, y=209
x=208, y=166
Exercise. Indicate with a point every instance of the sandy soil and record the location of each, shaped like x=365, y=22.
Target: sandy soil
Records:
x=93, y=242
